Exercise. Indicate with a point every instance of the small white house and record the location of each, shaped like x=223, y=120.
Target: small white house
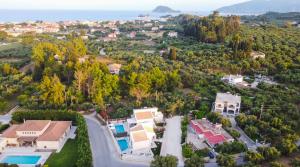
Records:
x=227, y=104
x=154, y=28
x=233, y=79
x=114, y=68
x=146, y=115
x=143, y=123
x=256, y=55
x=173, y=34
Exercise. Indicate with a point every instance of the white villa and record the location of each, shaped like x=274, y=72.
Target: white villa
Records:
x=233, y=79
x=41, y=134
x=227, y=104
x=236, y=80
x=142, y=126
x=141, y=136
x=173, y=34
x=114, y=68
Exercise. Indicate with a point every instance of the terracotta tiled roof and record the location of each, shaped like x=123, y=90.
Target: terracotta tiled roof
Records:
x=143, y=115
x=33, y=125
x=217, y=139
x=139, y=136
x=55, y=131
x=10, y=132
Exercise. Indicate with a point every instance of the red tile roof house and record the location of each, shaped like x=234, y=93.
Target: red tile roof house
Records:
x=213, y=134
x=41, y=134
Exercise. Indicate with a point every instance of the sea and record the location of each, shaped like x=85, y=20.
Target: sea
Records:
x=80, y=15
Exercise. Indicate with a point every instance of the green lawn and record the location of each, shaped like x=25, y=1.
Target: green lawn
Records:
x=66, y=157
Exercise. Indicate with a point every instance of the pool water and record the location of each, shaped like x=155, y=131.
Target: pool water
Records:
x=19, y=159
x=123, y=144
x=120, y=128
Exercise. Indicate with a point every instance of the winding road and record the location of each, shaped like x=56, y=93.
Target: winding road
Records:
x=104, y=153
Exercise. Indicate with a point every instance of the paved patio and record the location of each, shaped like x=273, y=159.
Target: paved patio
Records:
x=172, y=139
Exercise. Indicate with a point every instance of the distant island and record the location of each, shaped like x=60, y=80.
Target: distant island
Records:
x=263, y=6
x=164, y=9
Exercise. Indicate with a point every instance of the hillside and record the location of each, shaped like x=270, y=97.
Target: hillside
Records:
x=164, y=9
x=274, y=17
x=263, y=6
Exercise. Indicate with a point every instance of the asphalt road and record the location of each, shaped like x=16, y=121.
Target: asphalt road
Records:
x=104, y=153
x=5, y=119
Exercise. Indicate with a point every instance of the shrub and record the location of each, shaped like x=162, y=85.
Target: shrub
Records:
x=3, y=127
x=231, y=148
x=225, y=122
x=214, y=117
x=269, y=153
x=156, y=151
x=159, y=132
x=167, y=161
x=86, y=106
x=275, y=164
x=295, y=162
x=7, y=165
x=202, y=153
x=225, y=161
x=254, y=157
x=187, y=151
x=119, y=113
x=194, y=161
x=184, y=126
x=234, y=133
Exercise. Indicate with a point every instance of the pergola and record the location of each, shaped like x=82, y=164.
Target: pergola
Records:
x=25, y=141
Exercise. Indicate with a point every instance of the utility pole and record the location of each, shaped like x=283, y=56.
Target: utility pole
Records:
x=261, y=110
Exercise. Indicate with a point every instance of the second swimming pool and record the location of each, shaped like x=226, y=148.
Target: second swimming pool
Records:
x=123, y=144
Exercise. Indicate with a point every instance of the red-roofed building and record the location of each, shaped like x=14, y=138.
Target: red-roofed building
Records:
x=41, y=134
x=212, y=133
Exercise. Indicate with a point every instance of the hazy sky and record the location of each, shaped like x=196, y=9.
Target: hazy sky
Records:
x=185, y=5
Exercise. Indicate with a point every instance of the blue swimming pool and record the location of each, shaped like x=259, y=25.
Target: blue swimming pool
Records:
x=123, y=144
x=120, y=128
x=20, y=159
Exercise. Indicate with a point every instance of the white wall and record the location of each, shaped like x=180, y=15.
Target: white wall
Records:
x=47, y=144
x=2, y=145
x=12, y=141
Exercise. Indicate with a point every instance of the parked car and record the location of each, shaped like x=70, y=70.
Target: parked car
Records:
x=212, y=155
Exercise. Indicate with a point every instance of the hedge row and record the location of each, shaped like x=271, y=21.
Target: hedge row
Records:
x=84, y=149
